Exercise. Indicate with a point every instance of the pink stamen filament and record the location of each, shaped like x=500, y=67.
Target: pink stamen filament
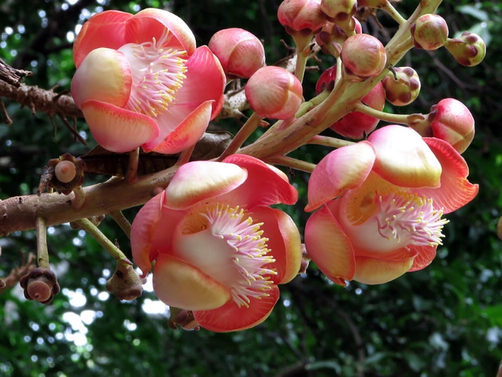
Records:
x=161, y=75
x=245, y=238
x=410, y=218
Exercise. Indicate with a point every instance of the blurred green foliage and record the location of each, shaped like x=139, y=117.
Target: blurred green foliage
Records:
x=443, y=321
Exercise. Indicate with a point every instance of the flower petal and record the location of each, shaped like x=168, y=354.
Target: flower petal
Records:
x=202, y=180
x=152, y=23
x=379, y=271
x=105, y=29
x=231, y=317
x=142, y=231
x=284, y=242
x=455, y=191
x=105, y=76
x=425, y=256
x=403, y=158
x=205, y=81
x=329, y=247
x=344, y=168
x=186, y=134
x=265, y=184
x=116, y=129
x=177, y=283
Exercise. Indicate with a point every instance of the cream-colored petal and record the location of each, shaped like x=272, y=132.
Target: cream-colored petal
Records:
x=179, y=284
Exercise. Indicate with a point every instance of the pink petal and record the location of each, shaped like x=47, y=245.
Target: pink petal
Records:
x=205, y=81
x=284, y=242
x=142, y=231
x=425, y=256
x=231, y=317
x=202, y=180
x=152, y=231
x=186, y=134
x=329, y=247
x=177, y=283
x=105, y=29
x=455, y=191
x=116, y=129
x=379, y=271
x=105, y=76
x=343, y=169
x=403, y=158
x=151, y=23
x=264, y=186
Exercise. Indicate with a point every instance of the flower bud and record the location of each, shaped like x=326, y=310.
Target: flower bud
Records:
x=451, y=121
x=240, y=52
x=363, y=56
x=40, y=284
x=339, y=10
x=469, y=49
x=125, y=283
x=273, y=92
x=181, y=318
x=401, y=86
x=332, y=36
x=303, y=16
x=429, y=32
x=63, y=174
x=354, y=125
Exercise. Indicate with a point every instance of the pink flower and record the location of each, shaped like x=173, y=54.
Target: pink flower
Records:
x=140, y=81
x=219, y=249
x=383, y=204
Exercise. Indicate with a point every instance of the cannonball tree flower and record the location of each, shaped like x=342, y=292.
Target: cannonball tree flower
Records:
x=141, y=81
x=382, y=205
x=219, y=249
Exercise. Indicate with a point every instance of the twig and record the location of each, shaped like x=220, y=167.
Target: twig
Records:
x=11, y=75
x=70, y=127
x=121, y=220
x=3, y=109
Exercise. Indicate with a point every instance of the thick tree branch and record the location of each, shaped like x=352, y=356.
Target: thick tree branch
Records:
x=37, y=99
x=21, y=212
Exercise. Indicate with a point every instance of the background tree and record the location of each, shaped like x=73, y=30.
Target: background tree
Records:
x=445, y=320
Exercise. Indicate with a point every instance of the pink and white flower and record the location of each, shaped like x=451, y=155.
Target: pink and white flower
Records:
x=382, y=205
x=219, y=249
x=141, y=81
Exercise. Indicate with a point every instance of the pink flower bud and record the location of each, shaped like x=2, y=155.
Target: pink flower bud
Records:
x=469, y=49
x=363, y=56
x=354, y=125
x=303, y=16
x=240, y=52
x=273, y=92
x=332, y=36
x=451, y=121
x=429, y=32
x=339, y=10
x=401, y=86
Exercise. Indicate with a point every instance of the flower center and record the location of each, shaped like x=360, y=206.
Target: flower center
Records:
x=157, y=75
x=410, y=218
x=393, y=220
x=240, y=262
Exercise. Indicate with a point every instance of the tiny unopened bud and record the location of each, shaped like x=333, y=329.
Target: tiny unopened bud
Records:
x=451, y=121
x=402, y=86
x=339, y=10
x=125, y=283
x=240, y=52
x=469, y=49
x=354, y=125
x=65, y=171
x=429, y=32
x=40, y=284
x=274, y=93
x=301, y=16
x=363, y=56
